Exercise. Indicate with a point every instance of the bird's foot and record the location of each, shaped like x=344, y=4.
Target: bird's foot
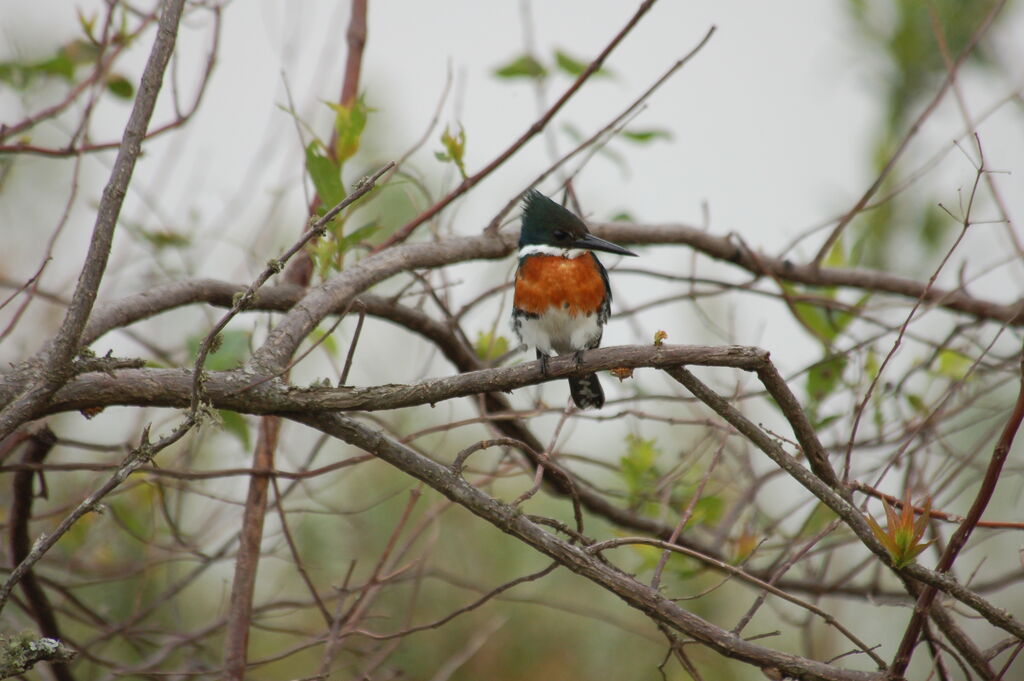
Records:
x=544, y=359
x=578, y=356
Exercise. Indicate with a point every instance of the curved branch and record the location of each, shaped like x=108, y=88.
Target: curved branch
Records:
x=249, y=393
x=963, y=532
x=55, y=366
x=304, y=313
x=841, y=506
x=576, y=558
x=245, y=392
x=336, y=292
x=759, y=264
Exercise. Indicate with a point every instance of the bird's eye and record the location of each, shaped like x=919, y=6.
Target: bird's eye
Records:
x=561, y=234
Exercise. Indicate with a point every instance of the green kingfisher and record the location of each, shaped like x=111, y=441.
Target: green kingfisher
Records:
x=562, y=297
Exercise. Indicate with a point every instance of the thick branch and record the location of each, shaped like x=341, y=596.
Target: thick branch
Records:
x=577, y=559
x=338, y=291
x=243, y=585
x=249, y=393
x=760, y=264
x=55, y=367
x=963, y=532
x=305, y=312
x=841, y=506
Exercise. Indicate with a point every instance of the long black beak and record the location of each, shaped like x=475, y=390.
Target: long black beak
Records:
x=591, y=242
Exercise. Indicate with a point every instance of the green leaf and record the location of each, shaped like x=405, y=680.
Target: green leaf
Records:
x=60, y=66
x=76, y=52
x=837, y=255
x=88, y=24
x=326, y=342
x=877, y=417
x=355, y=236
x=813, y=317
x=490, y=347
x=825, y=421
x=323, y=252
x=326, y=177
x=824, y=323
x=120, y=86
x=871, y=365
x=349, y=123
x=574, y=67
x=523, y=66
x=454, y=149
x=637, y=468
x=816, y=321
x=645, y=136
x=15, y=75
x=235, y=424
x=823, y=377
x=164, y=238
x=818, y=519
x=916, y=402
x=708, y=510
x=953, y=364
x=623, y=216
x=840, y=319
x=640, y=455
x=935, y=225
x=229, y=354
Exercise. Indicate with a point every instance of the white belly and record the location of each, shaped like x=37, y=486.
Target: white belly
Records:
x=559, y=332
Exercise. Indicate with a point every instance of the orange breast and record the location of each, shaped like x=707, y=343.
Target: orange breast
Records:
x=545, y=281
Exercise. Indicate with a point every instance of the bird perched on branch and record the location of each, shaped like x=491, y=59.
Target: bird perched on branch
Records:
x=562, y=297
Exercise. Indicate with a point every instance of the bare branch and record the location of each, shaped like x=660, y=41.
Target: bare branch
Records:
x=54, y=364
x=577, y=559
x=403, y=233
x=963, y=532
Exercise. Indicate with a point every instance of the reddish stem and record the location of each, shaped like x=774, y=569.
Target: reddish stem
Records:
x=962, y=533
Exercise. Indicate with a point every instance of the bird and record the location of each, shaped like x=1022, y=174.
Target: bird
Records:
x=562, y=296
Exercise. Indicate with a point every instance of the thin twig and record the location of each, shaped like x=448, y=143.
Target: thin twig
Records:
x=743, y=575
x=403, y=233
x=837, y=231
x=56, y=362
x=138, y=457
x=685, y=517
x=274, y=266
x=40, y=443
x=963, y=532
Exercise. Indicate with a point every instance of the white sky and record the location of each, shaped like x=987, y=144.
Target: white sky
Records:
x=772, y=132
x=773, y=126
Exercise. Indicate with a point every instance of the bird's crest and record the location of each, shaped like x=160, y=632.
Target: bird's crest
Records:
x=542, y=217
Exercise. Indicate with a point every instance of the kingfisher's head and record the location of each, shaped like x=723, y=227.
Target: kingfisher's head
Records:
x=545, y=223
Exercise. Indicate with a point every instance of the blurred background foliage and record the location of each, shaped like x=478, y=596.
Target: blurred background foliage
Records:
x=906, y=40
x=122, y=569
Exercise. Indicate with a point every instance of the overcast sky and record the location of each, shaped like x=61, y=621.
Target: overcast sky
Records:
x=772, y=125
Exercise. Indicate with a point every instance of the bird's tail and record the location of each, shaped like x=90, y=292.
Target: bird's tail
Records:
x=586, y=392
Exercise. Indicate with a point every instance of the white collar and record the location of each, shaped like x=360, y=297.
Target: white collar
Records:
x=542, y=249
